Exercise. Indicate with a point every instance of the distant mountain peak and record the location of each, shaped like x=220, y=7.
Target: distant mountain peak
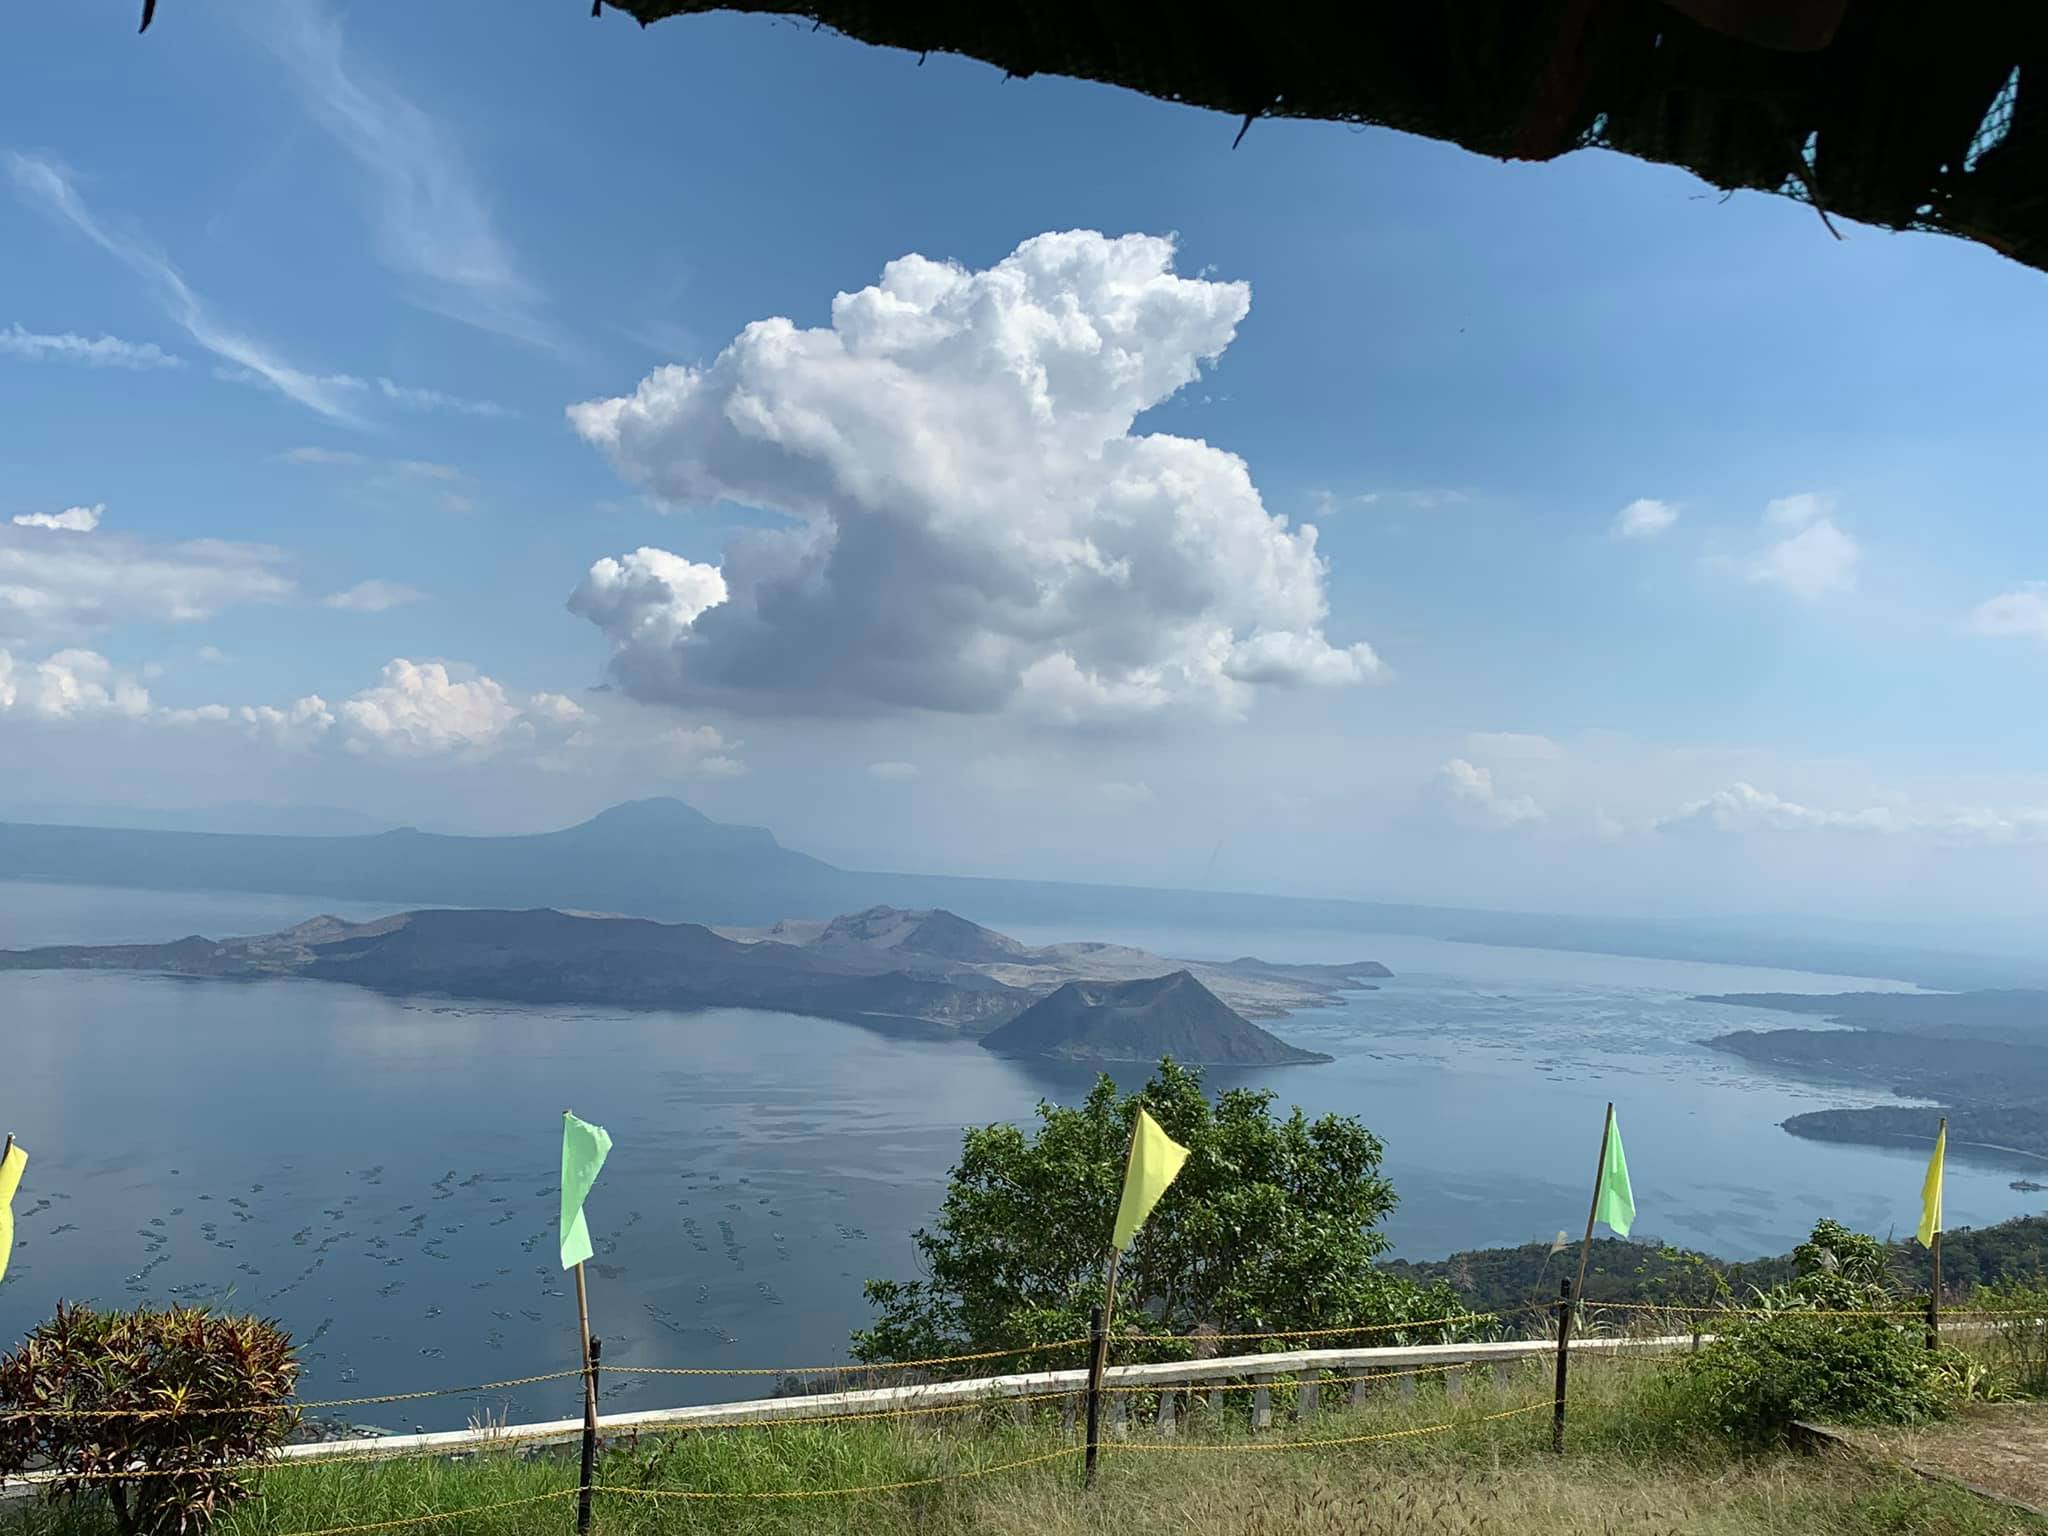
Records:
x=655, y=811
x=1141, y=1021
x=932, y=932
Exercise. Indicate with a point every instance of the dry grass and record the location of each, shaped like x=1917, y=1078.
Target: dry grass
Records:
x=2000, y=1446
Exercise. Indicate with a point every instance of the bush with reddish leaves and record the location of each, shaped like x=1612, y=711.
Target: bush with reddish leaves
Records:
x=160, y=1410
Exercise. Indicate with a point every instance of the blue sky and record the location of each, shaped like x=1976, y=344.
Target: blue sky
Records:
x=379, y=253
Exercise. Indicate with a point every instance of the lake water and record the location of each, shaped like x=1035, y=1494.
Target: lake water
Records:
x=380, y=1173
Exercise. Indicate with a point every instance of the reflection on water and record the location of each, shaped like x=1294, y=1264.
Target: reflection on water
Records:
x=380, y=1173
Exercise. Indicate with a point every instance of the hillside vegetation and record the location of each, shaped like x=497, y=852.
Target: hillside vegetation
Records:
x=1490, y=1279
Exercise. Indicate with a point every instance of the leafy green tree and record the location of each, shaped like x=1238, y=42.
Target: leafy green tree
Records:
x=1273, y=1224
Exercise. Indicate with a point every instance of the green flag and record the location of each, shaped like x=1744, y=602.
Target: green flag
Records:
x=1616, y=1204
x=583, y=1152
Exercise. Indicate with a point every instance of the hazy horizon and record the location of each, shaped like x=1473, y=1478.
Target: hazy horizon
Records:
x=1733, y=937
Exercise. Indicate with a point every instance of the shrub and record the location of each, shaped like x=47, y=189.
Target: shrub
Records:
x=155, y=1408
x=1751, y=1381
x=1812, y=1350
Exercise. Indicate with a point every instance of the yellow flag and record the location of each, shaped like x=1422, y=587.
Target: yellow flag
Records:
x=1155, y=1159
x=10, y=1180
x=1930, y=1191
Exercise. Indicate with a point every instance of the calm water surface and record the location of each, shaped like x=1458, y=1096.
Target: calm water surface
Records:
x=380, y=1173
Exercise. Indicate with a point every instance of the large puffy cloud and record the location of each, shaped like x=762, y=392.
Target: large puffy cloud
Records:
x=973, y=523
x=55, y=582
x=422, y=709
x=69, y=685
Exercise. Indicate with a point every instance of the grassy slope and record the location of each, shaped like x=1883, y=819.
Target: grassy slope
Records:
x=1631, y=1468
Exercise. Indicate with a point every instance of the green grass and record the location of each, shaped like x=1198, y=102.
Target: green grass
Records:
x=1632, y=1466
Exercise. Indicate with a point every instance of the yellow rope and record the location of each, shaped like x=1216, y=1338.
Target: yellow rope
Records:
x=1947, y=1313
x=1313, y=1333
x=286, y=1407
x=821, y=1370
x=513, y=1441
x=834, y=1493
x=1197, y=1387
x=527, y=1381
x=446, y=1514
x=1255, y=1447
x=990, y=1400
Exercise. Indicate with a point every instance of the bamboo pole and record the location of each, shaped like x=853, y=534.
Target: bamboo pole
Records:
x=1934, y=1248
x=1593, y=1211
x=1574, y=1295
x=589, y=1407
x=1103, y=1320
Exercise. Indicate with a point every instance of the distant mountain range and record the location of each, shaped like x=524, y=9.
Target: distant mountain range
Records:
x=662, y=859
x=931, y=972
x=1982, y=1057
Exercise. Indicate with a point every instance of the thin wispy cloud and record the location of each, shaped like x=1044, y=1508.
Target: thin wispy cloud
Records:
x=430, y=221
x=373, y=596
x=85, y=351
x=422, y=469
x=412, y=398
x=49, y=185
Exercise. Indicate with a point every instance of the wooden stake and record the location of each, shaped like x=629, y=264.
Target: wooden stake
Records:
x=1564, y=1338
x=589, y=1406
x=1098, y=1361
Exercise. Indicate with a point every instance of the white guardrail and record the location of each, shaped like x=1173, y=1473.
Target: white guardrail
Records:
x=1360, y=1366
x=1364, y=1368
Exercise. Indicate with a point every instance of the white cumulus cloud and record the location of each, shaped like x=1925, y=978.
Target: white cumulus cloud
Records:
x=70, y=520
x=972, y=523
x=1742, y=807
x=1644, y=518
x=433, y=709
x=420, y=709
x=69, y=685
x=1470, y=788
x=2021, y=614
x=297, y=725
x=1810, y=556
